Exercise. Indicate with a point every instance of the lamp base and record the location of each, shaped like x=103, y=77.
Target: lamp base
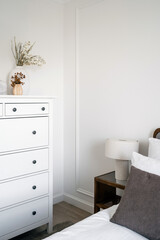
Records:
x=121, y=169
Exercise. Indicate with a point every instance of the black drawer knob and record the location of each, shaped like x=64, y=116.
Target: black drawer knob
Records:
x=43, y=108
x=34, y=132
x=14, y=109
x=34, y=187
x=34, y=213
x=34, y=161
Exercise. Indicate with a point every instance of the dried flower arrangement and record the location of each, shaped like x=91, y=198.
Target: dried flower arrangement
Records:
x=22, y=56
x=16, y=79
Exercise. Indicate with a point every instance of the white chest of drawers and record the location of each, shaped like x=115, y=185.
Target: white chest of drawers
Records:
x=26, y=164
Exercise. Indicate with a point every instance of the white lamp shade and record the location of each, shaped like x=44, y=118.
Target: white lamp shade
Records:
x=120, y=149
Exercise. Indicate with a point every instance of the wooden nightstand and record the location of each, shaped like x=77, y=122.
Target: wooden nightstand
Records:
x=105, y=191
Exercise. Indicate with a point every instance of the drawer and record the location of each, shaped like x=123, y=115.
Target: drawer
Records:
x=21, y=133
x=23, y=189
x=17, y=109
x=23, y=215
x=18, y=164
x=0, y=109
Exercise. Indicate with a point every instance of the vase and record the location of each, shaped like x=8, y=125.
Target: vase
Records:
x=3, y=87
x=25, y=86
x=17, y=89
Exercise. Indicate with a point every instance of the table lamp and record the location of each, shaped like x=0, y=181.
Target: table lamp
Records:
x=121, y=151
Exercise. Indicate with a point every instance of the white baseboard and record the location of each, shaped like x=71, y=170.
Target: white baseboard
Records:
x=58, y=198
x=85, y=205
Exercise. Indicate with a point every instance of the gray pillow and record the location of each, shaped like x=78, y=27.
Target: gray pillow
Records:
x=139, y=208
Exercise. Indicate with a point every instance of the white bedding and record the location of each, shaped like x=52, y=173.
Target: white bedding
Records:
x=97, y=227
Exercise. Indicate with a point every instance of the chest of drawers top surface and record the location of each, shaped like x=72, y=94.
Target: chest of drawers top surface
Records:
x=24, y=97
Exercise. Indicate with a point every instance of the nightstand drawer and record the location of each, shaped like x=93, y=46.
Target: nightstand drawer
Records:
x=23, y=215
x=23, y=189
x=18, y=164
x=0, y=109
x=18, y=109
x=22, y=133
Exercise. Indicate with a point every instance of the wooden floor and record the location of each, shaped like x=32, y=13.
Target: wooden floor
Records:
x=66, y=212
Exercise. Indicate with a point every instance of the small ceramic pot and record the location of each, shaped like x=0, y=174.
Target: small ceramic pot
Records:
x=26, y=81
x=17, y=89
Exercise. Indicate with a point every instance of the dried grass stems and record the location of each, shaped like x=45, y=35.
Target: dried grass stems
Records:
x=22, y=56
x=16, y=79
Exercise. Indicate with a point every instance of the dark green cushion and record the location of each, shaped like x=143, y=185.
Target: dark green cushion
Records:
x=139, y=208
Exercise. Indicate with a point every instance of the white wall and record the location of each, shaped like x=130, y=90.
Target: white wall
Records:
x=39, y=21
x=111, y=85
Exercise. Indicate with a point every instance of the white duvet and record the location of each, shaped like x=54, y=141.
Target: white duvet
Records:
x=97, y=227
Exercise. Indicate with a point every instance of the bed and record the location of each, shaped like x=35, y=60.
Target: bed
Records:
x=99, y=225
